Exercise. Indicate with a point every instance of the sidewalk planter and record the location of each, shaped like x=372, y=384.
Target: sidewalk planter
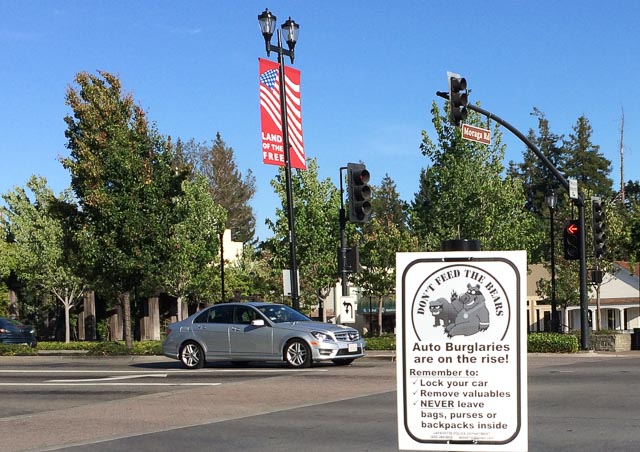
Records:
x=610, y=342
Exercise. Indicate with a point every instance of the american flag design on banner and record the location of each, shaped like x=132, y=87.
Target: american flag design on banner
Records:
x=271, y=116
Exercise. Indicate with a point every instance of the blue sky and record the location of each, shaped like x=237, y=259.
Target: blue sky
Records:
x=370, y=70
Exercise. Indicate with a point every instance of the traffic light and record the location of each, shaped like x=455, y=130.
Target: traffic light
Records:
x=351, y=262
x=359, y=193
x=458, y=99
x=598, y=226
x=572, y=249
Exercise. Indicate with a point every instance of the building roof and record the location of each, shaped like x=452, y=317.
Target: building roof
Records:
x=619, y=285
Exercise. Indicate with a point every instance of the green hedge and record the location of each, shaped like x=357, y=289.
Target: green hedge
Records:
x=537, y=343
x=17, y=350
x=92, y=348
x=552, y=343
x=385, y=342
x=65, y=345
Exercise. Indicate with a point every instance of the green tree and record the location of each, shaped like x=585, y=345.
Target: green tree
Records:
x=536, y=179
x=386, y=204
x=254, y=274
x=632, y=209
x=194, y=236
x=316, y=207
x=228, y=187
x=632, y=194
x=585, y=162
x=463, y=194
x=43, y=246
x=121, y=175
x=380, y=239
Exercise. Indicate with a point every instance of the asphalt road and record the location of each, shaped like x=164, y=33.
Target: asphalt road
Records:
x=576, y=403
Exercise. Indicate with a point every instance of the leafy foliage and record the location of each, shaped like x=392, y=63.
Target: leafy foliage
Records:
x=316, y=207
x=384, y=342
x=119, y=348
x=380, y=239
x=552, y=343
x=194, y=243
x=463, y=194
x=121, y=175
x=43, y=247
x=17, y=350
x=229, y=189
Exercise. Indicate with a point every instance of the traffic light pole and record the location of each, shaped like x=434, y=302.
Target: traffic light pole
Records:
x=584, y=300
x=343, y=239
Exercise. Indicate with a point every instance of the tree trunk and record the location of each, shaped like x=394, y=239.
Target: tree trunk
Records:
x=322, y=295
x=126, y=314
x=380, y=316
x=179, y=307
x=67, y=328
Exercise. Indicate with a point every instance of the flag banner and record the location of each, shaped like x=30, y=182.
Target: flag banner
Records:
x=271, y=116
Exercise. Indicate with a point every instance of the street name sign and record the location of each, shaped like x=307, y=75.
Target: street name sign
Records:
x=477, y=134
x=462, y=351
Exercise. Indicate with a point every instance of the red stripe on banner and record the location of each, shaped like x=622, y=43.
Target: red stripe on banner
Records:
x=271, y=116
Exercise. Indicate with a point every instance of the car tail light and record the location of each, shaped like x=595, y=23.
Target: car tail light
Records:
x=2, y=330
x=168, y=331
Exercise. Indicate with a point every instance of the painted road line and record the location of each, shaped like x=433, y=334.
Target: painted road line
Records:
x=121, y=377
x=166, y=371
x=123, y=383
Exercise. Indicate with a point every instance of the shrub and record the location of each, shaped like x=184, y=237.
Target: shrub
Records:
x=147, y=348
x=109, y=348
x=50, y=345
x=17, y=350
x=106, y=347
x=552, y=343
x=385, y=342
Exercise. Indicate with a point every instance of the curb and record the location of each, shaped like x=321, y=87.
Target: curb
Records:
x=62, y=352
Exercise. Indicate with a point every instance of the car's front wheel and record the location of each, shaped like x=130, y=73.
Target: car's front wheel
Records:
x=297, y=354
x=192, y=356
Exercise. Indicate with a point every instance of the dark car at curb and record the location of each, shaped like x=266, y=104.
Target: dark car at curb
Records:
x=257, y=331
x=13, y=332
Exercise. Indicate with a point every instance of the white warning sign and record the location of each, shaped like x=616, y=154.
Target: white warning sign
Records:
x=461, y=351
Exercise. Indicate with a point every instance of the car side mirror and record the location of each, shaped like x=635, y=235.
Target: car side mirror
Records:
x=257, y=322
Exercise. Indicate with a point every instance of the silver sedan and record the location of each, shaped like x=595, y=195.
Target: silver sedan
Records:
x=256, y=331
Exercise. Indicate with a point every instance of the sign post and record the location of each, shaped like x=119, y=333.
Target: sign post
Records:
x=462, y=351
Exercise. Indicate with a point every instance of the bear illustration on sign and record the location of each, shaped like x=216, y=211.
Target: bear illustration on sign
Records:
x=472, y=313
x=442, y=311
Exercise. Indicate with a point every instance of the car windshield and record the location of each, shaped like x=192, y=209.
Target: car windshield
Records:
x=281, y=314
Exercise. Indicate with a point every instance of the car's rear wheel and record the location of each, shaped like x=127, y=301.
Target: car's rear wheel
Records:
x=192, y=356
x=297, y=354
x=342, y=362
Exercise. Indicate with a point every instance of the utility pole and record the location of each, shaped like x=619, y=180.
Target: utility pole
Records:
x=622, y=158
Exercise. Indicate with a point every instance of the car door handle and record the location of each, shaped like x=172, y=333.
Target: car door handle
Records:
x=233, y=328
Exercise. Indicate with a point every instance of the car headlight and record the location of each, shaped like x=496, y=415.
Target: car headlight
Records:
x=323, y=337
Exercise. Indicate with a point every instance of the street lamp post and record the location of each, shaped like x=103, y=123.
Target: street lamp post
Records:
x=551, y=203
x=267, y=23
